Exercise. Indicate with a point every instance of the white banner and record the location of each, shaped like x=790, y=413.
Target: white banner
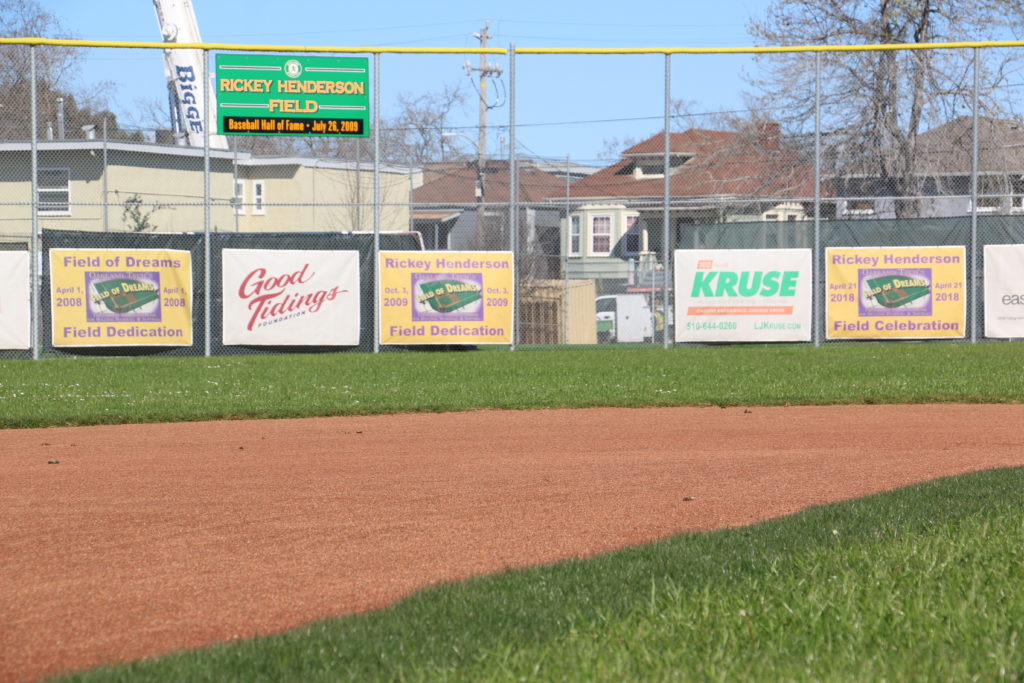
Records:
x=287, y=297
x=743, y=295
x=1004, y=291
x=15, y=319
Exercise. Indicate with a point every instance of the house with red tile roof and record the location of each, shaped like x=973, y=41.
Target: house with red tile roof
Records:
x=714, y=178
x=458, y=208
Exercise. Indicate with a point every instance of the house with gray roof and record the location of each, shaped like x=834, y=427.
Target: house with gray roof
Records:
x=941, y=187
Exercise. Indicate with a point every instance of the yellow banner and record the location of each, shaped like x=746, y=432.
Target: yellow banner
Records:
x=445, y=297
x=895, y=292
x=121, y=297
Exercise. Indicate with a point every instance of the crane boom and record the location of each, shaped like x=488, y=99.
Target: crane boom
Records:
x=184, y=72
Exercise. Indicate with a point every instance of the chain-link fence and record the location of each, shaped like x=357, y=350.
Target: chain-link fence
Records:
x=134, y=239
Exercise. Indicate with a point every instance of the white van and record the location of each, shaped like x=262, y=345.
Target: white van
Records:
x=624, y=318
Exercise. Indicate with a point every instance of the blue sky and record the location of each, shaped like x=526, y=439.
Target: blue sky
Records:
x=566, y=105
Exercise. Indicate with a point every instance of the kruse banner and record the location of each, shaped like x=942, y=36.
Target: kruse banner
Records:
x=446, y=297
x=121, y=297
x=15, y=306
x=290, y=297
x=1004, y=291
x=895, y=292
x=743, y=295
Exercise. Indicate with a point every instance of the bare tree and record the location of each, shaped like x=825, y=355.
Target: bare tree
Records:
x=876, y=103
x=54, y=64
x=413, y=136
x=60, y=99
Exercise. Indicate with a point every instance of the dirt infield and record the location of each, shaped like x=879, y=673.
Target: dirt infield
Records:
x=148, y=538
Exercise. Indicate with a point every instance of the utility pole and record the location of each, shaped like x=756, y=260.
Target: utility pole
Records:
x=486, y=70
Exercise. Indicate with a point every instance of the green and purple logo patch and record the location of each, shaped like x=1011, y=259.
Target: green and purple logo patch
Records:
x=133, y=297
x=905, y=291
x=448, y=296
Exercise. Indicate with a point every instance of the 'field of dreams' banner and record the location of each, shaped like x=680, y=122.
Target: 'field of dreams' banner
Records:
x=446, y=297
x=290, y=297
x=121, y=297
x=895, y=292
x=743, y=295
x=15, y=317
x=1004, y=291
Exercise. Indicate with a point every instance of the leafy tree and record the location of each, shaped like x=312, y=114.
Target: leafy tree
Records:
x=875, y=104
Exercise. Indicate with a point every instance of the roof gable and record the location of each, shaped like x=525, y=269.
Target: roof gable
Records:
x=705, y=163
x=457, y=184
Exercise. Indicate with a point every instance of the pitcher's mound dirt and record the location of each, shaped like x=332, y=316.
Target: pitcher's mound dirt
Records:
x=121, y=542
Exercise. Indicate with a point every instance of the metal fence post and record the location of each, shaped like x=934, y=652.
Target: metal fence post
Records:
x=974, y=204
x=513, y=193
x=206, y=208
x=665, y=214
x=376, y=201
x=106, y=174
x=817, y=308
x=565, y=253
x=36, y=259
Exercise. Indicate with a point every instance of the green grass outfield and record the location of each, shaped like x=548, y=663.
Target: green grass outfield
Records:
x=924, y=583
x=83, y=391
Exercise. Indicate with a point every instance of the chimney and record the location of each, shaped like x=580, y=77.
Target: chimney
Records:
x=768, y=134
x=60, y=118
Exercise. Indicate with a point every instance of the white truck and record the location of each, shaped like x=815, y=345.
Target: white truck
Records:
x=624, y=318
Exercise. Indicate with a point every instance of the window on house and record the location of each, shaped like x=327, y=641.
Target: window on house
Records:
x=986, y=204
x=574, y=236
x=53, y=191
x=238, y=201
x=859, y=207
x=771, y=216
x=633, y=238
x=601, y=235
x=1017, y=200
x=989, y=185
x=259, y=197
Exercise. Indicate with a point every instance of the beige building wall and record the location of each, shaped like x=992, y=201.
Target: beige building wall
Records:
x=168, y=191
x=312, y=197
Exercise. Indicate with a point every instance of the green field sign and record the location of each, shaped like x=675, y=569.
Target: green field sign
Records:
x=288, y=95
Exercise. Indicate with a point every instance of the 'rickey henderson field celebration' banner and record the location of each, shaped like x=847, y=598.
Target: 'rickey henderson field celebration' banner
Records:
x=895, y=292
x=121, y=297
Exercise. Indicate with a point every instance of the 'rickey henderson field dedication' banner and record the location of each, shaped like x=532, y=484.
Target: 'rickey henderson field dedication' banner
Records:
x=121, y=297
x=290, y=297
x=743, y=295
x=895, y=292
x=446, y=297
